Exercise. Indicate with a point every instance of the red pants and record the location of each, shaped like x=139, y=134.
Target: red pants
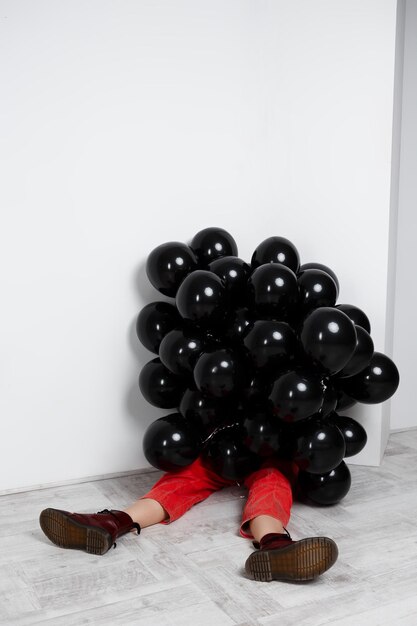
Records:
x=270, y=491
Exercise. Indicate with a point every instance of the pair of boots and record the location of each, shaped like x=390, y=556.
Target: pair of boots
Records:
x=278, y=556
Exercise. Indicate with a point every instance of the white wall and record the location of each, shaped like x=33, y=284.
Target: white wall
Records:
x=127, y=124
x=403, y=414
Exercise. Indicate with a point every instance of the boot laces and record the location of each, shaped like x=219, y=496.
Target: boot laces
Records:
x=135, y=524
x=107, y=511
x=257, y=545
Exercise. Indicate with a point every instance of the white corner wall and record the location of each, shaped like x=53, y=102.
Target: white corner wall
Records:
x=403, y=414
x=129, y=123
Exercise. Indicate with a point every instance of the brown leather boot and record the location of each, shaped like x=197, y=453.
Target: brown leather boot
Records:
x=281, y=558
x=94, y=533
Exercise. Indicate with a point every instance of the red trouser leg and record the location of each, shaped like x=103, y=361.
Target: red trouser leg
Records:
x=178, y=491
x=269, y=487
x=270, y=493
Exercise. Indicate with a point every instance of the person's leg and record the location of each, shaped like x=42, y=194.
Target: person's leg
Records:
x=169, y=498
x=265, y=516
x=146, y=512
x=262, y=525
x=174, y=493
x=268, y=506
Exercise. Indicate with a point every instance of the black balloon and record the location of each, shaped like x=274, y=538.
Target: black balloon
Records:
x=210, y=244
x=286, y=442
x=354, y=433
x=362, y=354
x=320, y=447
x=227, y=455
x=328, y=337
x=234, y=272
x=154, y=321
x=170, y=443
x=270, y=344
x=180, y=349
x=239, y=324
x=326, y=489
x=204, y=411
x=374, y=384
x=357, y=316
x=317, y=288
x=160, y=386
x=324, y=268
x=265, y=435
x=276, y=250
x=296, y=395
x=257, y=389
x=202, y=298
x=330, y=398
x=220, y=373
x=273, y=290
x=168, y=265
x=344, y=401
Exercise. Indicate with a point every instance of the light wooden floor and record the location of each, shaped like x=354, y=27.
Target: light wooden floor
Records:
x=191, y=572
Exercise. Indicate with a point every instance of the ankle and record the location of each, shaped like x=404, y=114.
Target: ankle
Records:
x=274, y=540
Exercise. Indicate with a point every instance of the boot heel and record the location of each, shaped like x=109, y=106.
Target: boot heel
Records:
x=97, y=541
x=260, y=567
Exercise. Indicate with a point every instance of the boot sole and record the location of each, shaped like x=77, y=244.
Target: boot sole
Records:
x=65, y=532
x=304, y=560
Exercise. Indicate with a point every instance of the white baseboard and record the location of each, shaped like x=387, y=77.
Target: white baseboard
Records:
x=402, y=430
x=77, y=481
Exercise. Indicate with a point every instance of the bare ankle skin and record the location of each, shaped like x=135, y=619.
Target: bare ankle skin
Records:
x=264, y=524
x=146, y=512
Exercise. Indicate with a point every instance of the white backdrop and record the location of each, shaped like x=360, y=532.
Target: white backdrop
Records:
x=129, y=123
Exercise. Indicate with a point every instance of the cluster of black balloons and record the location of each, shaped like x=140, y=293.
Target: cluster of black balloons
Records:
x=257, y=360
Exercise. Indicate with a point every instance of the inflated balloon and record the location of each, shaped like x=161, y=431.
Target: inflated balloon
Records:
x=276, y=250
x=330, y=398
x=320, y=447
x=265, y=435
x=171, y=442
x=239, y=324
x=361, y=356
x=296, y=395
x=220, y=373
x=270, y=344
x=357, y=316
x=210, y=244
x=273, y=290
x=202, y=298
x=180, y=349
x=326, y=489
x=234, y=272
x=324, y=268
x=226, y=454
x=317, y=288
x=354, y=433
x=328, y=337
x=154, y=321
x=160, y=386
x=376, y=383
x=168, y=265
x=343, y=401
x=286, y=442
x=203, y=410
x=257, y=389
